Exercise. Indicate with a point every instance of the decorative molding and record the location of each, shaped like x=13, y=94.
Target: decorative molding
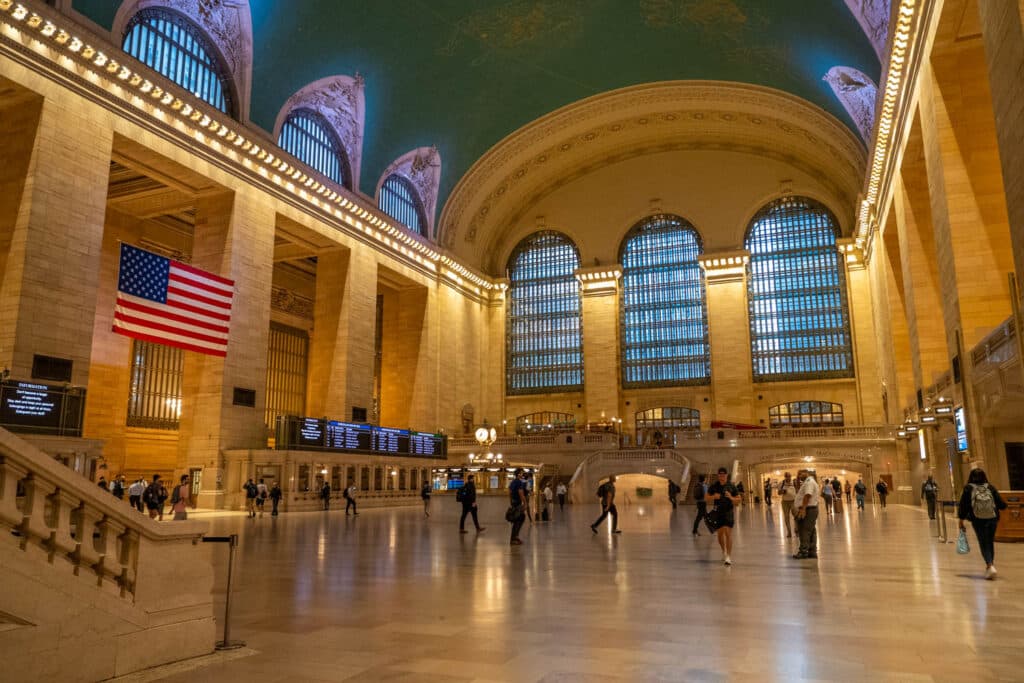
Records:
x=873, y=17
x=644, y=119
x=341, y=101
x=422, y=168
x=858, y=93
x=287, y=301
x=228, y=24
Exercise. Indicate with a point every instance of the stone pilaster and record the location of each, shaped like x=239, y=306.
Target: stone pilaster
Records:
x=234, y=238
x=601, y=352
x=729, y=334
x=52, y=264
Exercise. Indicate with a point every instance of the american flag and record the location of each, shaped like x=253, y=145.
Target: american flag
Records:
x=168, y=302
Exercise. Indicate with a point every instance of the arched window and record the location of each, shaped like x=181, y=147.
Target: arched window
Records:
x=399, y=200
x=544, y=342
x=308, y=137
x=796, y=286
x=176, y=48
x=657, y=426
x=806, y=414
x=664, y=317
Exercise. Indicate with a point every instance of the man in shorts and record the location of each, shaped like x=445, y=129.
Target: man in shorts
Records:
x=724, y=497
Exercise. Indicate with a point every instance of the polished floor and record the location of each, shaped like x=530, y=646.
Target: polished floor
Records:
x=391, y=595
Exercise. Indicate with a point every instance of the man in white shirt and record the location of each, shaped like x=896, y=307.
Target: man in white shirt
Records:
x=549, y=497
x=807, y=515
x=135, y=494
x=787, y=492
x=560, y=491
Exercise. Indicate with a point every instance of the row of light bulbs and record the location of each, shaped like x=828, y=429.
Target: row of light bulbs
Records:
x=293, y=179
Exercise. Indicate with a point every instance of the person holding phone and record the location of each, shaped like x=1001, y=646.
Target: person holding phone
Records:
x=724, y=497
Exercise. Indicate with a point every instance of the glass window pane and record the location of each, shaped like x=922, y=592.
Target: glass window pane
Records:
x=544, y=343
x=664, y=317
x=799, y=318
x=176, y=48
x=308, y=137
x=399, y=200
x=287, y=359
x=154, y=390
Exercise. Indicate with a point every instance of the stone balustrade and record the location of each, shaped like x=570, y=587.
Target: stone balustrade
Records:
x=76, y=559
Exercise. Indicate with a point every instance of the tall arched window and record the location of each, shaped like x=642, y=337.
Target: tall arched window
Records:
x=664, y=317
x=796, y=286
x=399, y=200
x=307, y=136
x=544, y=340
x=173, y=46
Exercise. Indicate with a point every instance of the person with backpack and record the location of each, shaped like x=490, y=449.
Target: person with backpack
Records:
x=425, y=495
x=929, y=494
x=261, y=496
x=350, y=498
x=275, y=498
x=135, y=494
x=826, y=495
x=516, y=514
x=154, y=498
x=181, y=500
x=861, y=489
x=699, y=493
x=606, y=494
x=980, y=503
x=548, y=496
x=467, y=496
x=673, y=493
x=250, y=497
x=883, y=491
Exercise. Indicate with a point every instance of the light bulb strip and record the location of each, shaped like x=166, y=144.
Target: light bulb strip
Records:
x=222, y=138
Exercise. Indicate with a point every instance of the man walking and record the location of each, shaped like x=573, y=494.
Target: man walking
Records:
x=549, y=497
x=699, y=493
x=929, y=492
x=350, y=498
x=250, y=498
x=883, y=491
x=517, y=505
x=467, y=496
x=787, y=491
x=135, y=494
x=181, y=500
x=275, y=498
x=607, y=492
x=154, y=497
x=807, y=515
x=861, y=489
x=560, y=491
x=768, y=492
x=673, y=492
x=261, y=496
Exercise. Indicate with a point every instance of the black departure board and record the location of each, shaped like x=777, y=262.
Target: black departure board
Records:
x=309, y=433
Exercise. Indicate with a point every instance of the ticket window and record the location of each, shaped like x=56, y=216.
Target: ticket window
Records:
x=378, y=479
x=364, y=479
x=336, y=478
x=302, y=480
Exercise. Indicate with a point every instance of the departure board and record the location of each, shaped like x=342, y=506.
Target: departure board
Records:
x=309, y=433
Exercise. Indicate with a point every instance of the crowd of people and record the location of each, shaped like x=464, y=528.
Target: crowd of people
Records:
x=152, y=497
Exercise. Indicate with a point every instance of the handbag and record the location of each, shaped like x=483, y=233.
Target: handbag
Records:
x=962, y=546
x=513, y=513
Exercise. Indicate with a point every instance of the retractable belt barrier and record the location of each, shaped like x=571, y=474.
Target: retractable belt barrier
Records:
x=232, y=541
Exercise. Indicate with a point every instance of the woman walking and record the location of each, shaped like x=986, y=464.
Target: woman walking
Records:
x=724, y=497
x=980, y=503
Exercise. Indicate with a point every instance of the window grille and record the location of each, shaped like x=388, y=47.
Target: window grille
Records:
x=806, y=414
x=308, y=137
x=398, y=199
x=545, y=421
x=544, y=344
x=173, y=46
x=154, y=390
x=667, y=418
x=288, y=354
x=796, y=285
x=663, y=320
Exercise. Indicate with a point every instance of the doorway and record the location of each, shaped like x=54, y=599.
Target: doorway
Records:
x=1015, y=465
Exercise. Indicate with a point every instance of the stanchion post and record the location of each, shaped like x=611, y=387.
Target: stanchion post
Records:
x=232, y=541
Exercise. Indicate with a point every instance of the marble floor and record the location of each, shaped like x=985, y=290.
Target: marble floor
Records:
x=391, y=595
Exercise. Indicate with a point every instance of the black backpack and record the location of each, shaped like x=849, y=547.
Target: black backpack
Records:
x=176, y=495
x=460, y=494
x=602, y=491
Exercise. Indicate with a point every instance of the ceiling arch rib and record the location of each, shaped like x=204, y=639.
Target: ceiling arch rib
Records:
x=575, y=140
x=858, y=94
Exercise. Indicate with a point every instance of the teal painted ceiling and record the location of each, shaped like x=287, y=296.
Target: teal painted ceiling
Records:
x=462, y=74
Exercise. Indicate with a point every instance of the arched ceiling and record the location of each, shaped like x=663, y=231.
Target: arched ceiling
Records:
x=461, y=75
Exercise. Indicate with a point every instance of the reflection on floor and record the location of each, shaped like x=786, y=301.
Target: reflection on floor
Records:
x=391, y=595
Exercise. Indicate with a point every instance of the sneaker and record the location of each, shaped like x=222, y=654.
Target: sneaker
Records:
x=800, y=556
x=594, y=529
x=515, y=541
x=990, y=574
x=463, y=531
x=616, y=531
x=481, y=528
x=727, y=561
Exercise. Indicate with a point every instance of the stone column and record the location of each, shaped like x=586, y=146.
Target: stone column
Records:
x=729, y=334
x=234, y=238
x=865, y=338
x=405, y=367
x=51, y=244
x=1001, y=28
x=341, y=350
x=600, y=289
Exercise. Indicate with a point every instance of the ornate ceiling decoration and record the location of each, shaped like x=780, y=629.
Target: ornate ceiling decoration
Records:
x=575, y=140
